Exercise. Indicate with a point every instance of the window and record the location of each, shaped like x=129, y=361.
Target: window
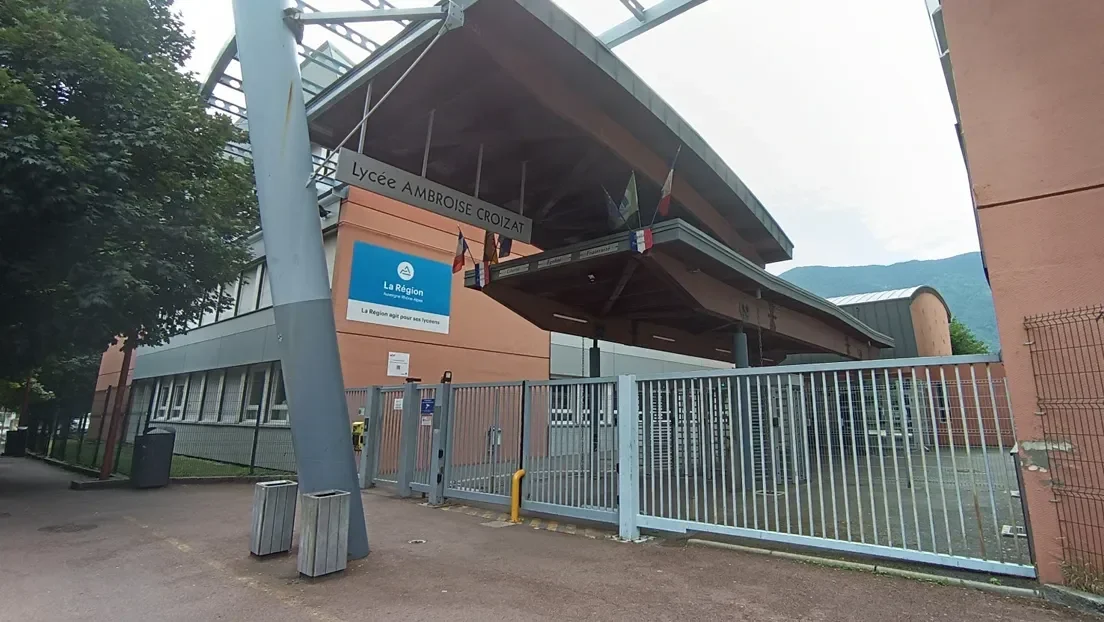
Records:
x=264, y=300
x=164, y=388
x=179, y=395
x=256, y=385
x=232, y=395
x=195, y=396
x=247, y=295
x=277, y=398
x=211, y=395
x=230, y=290
x=208, y=317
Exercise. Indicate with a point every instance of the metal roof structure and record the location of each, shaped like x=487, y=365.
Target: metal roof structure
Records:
x=907, y=293
x=473, y=70
x=685, y=295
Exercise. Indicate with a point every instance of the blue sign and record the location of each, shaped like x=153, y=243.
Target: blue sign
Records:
x=398, y=289
x=427, y=406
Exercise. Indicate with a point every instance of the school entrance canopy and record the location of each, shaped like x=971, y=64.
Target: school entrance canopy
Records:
x=686, y=294
x=523, y=108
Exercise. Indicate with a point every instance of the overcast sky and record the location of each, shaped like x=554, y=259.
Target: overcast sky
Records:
x=835, y=114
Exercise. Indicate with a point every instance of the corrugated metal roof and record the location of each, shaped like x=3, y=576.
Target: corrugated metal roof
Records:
x=893, y=294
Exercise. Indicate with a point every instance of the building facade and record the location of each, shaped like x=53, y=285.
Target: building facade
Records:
x=1027, y=85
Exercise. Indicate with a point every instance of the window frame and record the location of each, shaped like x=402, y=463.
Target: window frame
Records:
x=164, y=393
x=258, y=409
x=176, y=413
x=276, y=374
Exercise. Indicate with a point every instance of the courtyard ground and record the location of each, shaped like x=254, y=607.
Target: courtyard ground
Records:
x=181, y=553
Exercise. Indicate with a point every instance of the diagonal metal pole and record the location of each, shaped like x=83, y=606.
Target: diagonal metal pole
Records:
x=293, y=241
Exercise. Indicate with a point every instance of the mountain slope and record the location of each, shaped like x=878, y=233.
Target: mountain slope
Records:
x=960, y=279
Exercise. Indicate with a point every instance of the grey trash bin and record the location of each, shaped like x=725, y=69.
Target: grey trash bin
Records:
x=15, y=443
x=273, y=517
x=153, y=453
x=324, y=533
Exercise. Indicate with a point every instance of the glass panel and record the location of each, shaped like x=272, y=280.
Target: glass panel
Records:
x=164, y=387
x=208, y=318
x=178, y=395
x=195, y=396
x=247, y=296
x=232, y=395
x=229, y=290
x=255, y=392
x=211, y=396
x=265, y=299
x=278, y=408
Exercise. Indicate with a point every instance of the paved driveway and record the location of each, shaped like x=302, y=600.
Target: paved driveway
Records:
x=181, y=553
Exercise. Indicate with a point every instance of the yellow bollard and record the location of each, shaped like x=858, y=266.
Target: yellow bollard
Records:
x=515, y=496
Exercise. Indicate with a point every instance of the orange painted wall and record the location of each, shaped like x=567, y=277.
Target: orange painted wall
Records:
x=110, y=365
x=1030, y=90
x=486, y=341
x=931, y=326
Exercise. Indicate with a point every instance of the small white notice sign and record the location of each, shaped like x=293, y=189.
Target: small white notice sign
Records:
x=398, y=364
x=398, y=404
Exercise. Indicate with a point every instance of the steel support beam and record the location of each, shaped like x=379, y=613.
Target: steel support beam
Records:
x=292, y=234
x=372, y=15
x=652, y=17
x=415, y=35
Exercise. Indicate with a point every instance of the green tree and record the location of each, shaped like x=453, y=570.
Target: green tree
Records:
x=963, y=340
x=119, y=214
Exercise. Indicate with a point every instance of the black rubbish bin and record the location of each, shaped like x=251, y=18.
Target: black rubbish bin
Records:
x=153, y=453
x=15, y=443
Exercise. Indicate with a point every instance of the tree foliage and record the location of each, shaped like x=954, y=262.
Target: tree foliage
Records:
x=119, y=214
x=963, y=340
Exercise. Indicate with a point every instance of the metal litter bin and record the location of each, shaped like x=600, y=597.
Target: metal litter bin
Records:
x=324, y=533
x=153, y=453
x=15, y=443
x=273, y=516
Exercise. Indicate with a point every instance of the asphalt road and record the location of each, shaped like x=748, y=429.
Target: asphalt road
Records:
x=181, y=553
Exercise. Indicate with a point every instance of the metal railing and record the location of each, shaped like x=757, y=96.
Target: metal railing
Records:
x=906, y=459
x=484, y=435
x=571, y=458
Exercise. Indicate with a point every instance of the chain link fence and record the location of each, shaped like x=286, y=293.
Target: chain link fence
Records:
x=1067, y=358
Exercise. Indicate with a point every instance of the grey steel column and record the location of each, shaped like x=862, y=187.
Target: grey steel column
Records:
x=408, y=438
x=369, y=453
x=739, y=348
x=296, y=264
x=740, y=358
x=595, y=360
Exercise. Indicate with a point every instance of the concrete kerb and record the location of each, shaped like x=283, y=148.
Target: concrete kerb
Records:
x=1074, y=599
x=1005, y=590
x=221, y=479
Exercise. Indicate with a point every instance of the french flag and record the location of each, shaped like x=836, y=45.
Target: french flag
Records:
x=482, y=274
x=461, y=251
x=641, y=240
x=664, y=206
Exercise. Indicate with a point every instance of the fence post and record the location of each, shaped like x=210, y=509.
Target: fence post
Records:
x=440, y=438
x=369, y=452
x=121, y=441
x=99, y=431
x=408, y=438
x=628, y=463
x=256, y=436
x=526, y=429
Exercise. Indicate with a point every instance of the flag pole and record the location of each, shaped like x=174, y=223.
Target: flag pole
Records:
x=670, y=174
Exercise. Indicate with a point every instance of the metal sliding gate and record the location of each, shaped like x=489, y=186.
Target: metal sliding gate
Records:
x=908, y=459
